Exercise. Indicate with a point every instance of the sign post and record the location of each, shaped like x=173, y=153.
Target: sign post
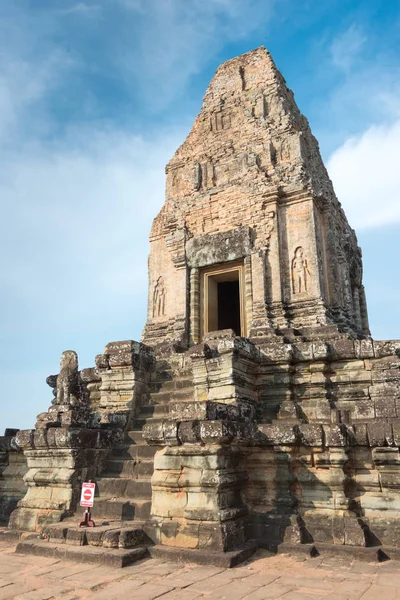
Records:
x=87, y=500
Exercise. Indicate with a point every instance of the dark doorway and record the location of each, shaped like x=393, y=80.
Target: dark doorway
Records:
x=229, y=306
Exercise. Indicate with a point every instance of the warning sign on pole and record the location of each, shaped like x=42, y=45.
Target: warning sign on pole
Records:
x=87, y=494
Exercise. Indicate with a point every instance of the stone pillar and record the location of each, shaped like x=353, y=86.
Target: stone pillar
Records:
x=197, y=481
x=195, y=305
x=248, y=293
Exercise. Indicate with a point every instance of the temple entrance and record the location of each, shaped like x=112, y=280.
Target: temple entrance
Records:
x=222, y=299
x=229, y=306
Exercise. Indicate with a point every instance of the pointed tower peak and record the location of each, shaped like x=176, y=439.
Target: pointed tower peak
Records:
x=243, y=73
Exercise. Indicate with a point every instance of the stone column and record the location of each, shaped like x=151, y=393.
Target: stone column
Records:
x=197, y=481
x=248, y=293
x=195, y=305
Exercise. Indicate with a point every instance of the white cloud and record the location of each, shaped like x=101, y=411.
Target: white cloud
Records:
x=78, y=216
x=82, y=8
x=346, y=47
x=178, y=38
x=366, y=176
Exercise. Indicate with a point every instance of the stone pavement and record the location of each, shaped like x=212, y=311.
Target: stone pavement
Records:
x=263, y=577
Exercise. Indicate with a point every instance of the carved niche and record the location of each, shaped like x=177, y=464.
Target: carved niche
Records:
x=203, y=175
x=300, y=272
x=219, y=121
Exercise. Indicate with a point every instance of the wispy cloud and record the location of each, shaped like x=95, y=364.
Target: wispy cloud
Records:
x=82, y=8
x=175, y=39
x=366, y=175
x=81, y=212
x=363, y=165
x=347, y=46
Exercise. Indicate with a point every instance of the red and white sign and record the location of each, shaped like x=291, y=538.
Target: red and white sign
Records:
x=87, y=494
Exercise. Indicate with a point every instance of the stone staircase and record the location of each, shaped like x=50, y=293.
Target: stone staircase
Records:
x=124, y=487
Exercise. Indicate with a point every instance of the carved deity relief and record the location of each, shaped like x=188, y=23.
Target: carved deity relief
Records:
x=300, y=272
x=159, y=298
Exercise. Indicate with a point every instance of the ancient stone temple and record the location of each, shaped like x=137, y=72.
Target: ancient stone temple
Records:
x=257, y=411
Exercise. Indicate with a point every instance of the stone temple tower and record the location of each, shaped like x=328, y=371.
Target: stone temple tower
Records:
x=257, y=411
x=251, y=236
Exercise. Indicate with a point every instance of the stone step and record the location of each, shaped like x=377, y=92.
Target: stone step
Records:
x=135, y=436
x=135, y=452
x=113, y=535
x=84, y=554
x=128, y=468
x=154, y=421
x=153, y=410
x=163, y=397
x=124, y=509
x=168, y=385
x=119, y=487
x=205, y=556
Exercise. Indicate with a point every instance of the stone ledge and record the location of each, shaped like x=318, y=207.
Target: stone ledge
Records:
x=14, y=535
x=83, y=554
x=366, y=554
x=204, y=557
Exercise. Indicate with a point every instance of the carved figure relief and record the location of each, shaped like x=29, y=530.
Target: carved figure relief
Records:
x=300, y=272
x=159, y=298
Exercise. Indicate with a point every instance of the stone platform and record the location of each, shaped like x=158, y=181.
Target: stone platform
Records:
x=263, y=577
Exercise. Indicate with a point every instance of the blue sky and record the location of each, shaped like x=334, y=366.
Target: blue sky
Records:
x=96, y=95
